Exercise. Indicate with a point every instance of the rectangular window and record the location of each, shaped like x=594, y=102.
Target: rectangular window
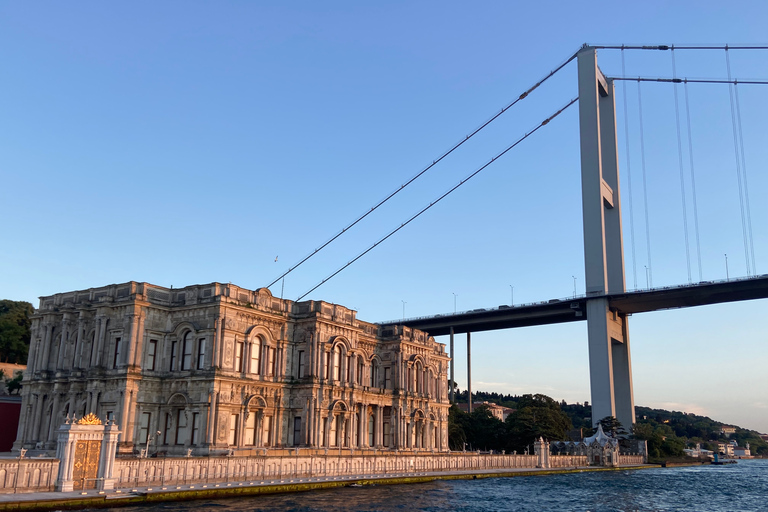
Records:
x=387, y=434
x=297, y=431
x=233, y=425
x=256, y=357
x=168, y=425
x=370, y=431
x=181, y=427
x=360, y=370
x=326, y=365
x=387, y=377
x=374, y=375
x=336, y=364
x=271, y=361
x=321, y=441
x=144, y=428
x=301, y=363
x=110, y=415
x=174, y=345
x=195, y=428
x=348, y=378
x=334, y=429
x=250, y=429
x=151, y=352
x=266, y=433
x=117, y=353
x=186, y=353
x=200, y=353
x=239, y=346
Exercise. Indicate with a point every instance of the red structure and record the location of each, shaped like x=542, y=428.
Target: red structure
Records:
x=10, y=409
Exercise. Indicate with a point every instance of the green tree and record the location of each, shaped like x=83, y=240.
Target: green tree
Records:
x=536, y=416
x=613, y=427
x=457, y=421
x=486, y=431
x=15, y=331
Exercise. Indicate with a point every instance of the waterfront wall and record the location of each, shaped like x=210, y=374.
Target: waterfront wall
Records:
x=28, y=475
x=204, y=470
x=36, y=475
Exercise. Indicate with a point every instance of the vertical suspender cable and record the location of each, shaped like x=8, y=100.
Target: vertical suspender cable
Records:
x=680, y=163
x=629, y=173
x=738, y=161
x=693, y=182
x=744, y=173
x=645, y=185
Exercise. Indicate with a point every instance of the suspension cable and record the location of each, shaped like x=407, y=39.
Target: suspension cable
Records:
x=738, y=163
x=680, y=164
x=693, y=182
x=645, y=186
x=629, y=175
x=430, y=205
x=428, y=167
x=744, y=173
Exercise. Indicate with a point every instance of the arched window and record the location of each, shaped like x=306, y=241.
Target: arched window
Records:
x=256, y=356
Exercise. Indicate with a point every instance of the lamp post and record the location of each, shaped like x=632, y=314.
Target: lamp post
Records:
x=454, y=302
x=511, y=295
x=647, y=281
x=404, y=303
x=574, y=286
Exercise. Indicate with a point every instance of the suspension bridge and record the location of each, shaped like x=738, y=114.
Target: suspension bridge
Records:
x=607, y=303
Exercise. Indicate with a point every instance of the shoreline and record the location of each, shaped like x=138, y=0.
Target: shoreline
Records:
x=45, y=501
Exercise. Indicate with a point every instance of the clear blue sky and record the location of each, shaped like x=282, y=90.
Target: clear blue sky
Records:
x=188, y=142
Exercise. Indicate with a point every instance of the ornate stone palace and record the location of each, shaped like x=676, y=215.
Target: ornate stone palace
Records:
x=213, y=369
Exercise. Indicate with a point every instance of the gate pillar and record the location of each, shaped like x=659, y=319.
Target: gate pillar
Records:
x=86, y=452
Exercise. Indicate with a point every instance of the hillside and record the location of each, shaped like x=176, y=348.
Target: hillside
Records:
x=667, y=432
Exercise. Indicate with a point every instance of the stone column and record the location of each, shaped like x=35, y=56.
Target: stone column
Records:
x=107, y=459
x=137, y=340
x=102, y=336
x=52, y=419
x=59, y=363
x=213, y=398
x=77, y=359
x=124, y=406
x=46, y=347
x=216, y=362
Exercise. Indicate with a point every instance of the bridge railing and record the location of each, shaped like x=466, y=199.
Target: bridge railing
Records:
x=566, y=299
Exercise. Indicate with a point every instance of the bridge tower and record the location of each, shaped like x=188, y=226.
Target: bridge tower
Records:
x=610, y=366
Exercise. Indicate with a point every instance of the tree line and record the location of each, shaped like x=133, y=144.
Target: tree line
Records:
x=666, y=432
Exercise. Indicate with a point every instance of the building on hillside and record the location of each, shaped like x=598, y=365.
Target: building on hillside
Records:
x=220, y=369
x=727, y=430
x=742, y=451
x=496, y=410
x=699, y=452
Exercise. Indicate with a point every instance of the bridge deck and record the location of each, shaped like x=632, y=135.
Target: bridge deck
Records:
x=574, y=310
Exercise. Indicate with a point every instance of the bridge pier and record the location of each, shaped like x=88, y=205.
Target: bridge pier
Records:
x=610, y=365
x=452, y=385
x=469, y=373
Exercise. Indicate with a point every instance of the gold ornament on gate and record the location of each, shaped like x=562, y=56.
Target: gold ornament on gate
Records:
x=89, y=419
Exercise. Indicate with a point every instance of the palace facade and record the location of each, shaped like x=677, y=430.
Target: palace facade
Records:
x=215, y=368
